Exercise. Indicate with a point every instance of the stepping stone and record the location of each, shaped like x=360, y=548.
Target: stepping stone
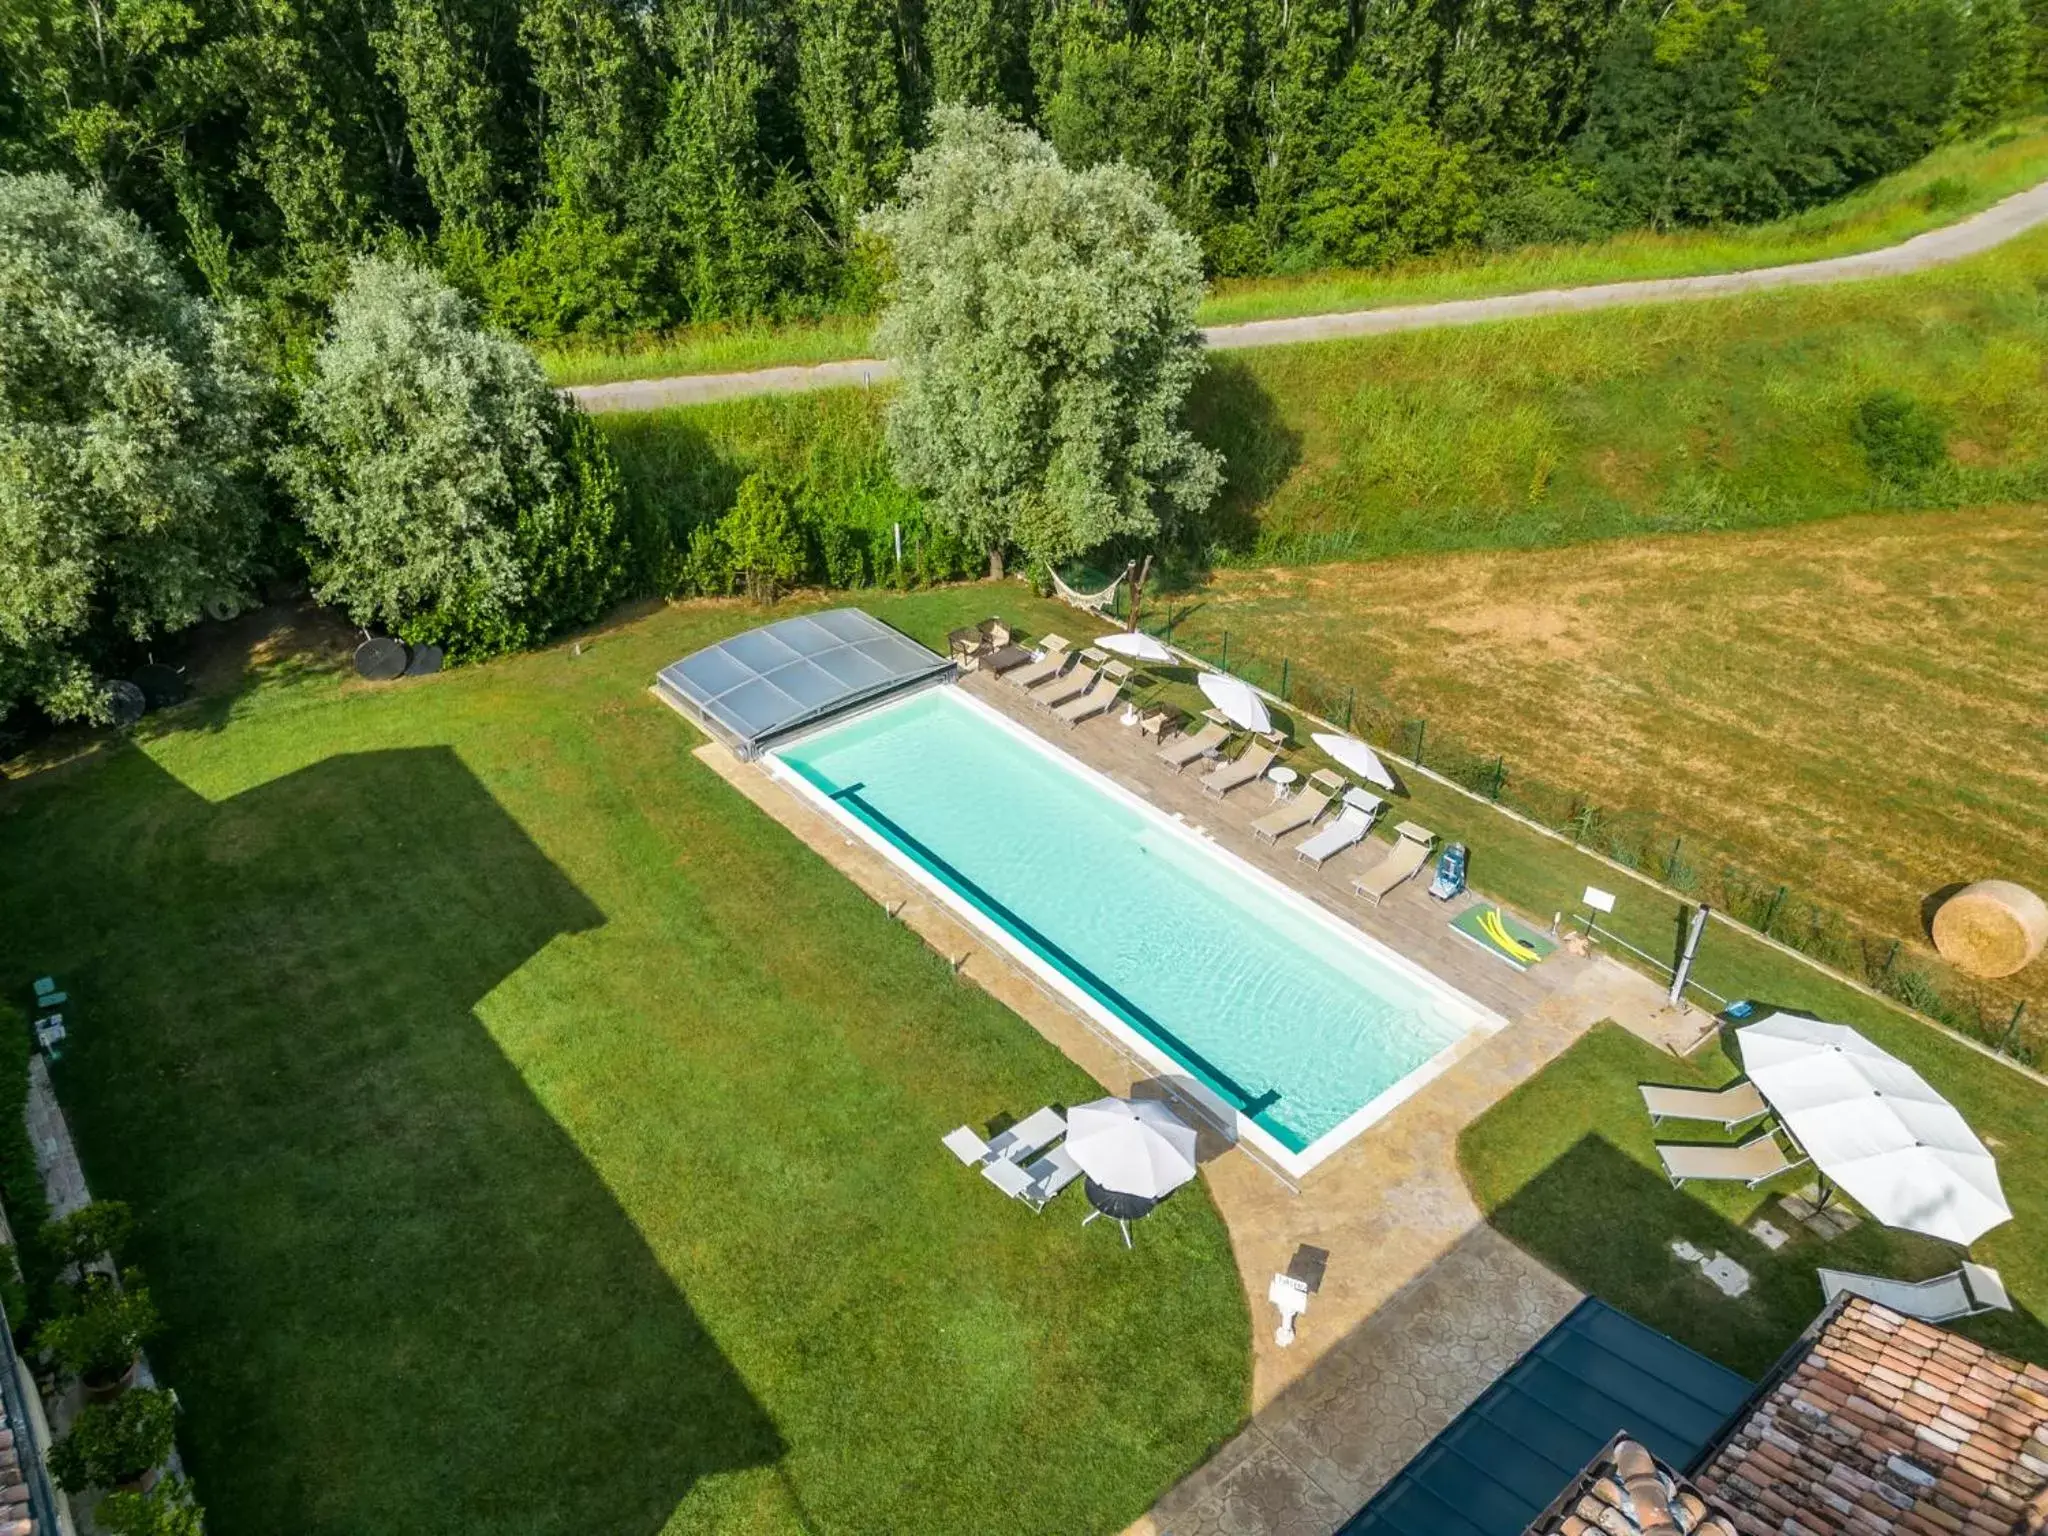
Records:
x=1798, y=1207
x=1729, y=1277
x=1685, y=1251
x=1772, y=1237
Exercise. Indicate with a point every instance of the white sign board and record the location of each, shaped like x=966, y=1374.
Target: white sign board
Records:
x=1599, y=900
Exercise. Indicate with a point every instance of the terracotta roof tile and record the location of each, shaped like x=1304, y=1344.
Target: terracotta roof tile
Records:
x=1890, y=1427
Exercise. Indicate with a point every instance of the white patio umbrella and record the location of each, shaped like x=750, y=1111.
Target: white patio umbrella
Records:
x=1875, y=1127
x=1132, y=1146
x=1357, y=756
x=1137, y=646
x=1237, y=699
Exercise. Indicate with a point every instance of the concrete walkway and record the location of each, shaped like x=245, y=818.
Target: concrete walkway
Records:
x=1938, y=247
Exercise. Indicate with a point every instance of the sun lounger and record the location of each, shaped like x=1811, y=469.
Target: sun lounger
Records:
x=1961, y=1292
x=1224, y=777
x=1036, y=1184
x=965, y=1145
x=1409, y=853
x=1065, y=688
x=1029, y=1136
x=1102, y=693
x=1347, y=831
x=1181, y=751
x=1751, y=1163
x=1047, y=668
x=1323, y=787
x=1726, y=1107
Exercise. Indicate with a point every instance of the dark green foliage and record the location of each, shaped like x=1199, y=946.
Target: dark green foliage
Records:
x=168, y=1509
x=573, y=545
x=101, y=1326
x=27, y=1271
x=596, y=170
x=113, y=1442
x=101, y=1229
x=1901, y=438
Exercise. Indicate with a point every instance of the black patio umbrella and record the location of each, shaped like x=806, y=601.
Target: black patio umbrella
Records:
x=1118, y=1207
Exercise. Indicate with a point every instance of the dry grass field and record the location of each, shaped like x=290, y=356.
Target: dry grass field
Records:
x=1858, y=707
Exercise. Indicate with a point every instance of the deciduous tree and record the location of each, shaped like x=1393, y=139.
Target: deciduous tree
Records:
x=1044, y=318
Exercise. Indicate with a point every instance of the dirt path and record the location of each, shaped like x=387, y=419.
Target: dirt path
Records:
x=1937, y=247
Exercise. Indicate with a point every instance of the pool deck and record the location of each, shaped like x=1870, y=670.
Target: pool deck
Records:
x=1422, y=1304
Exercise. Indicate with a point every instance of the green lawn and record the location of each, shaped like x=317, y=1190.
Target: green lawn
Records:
x=530, y=1136
x=1566, y=1166
x=1955, y=181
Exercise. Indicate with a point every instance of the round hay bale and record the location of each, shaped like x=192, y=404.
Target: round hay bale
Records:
x=1991, y=928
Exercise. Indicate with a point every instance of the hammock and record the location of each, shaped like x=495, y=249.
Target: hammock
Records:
x=1094, y=602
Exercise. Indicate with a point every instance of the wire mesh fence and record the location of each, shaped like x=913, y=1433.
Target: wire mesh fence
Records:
x=1638, y=840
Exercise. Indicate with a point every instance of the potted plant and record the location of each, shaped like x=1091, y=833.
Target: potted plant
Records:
x=168, y=1509
x=88, y=1234
x=116, y=1443
x=100, y=1334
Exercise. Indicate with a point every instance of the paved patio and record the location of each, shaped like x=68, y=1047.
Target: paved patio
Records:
x=1422, y=1304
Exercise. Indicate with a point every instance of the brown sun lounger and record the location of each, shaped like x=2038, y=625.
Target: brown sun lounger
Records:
x=1101, y=694
x=1224, y=777
x=1400, y=862
x=1181, y=751
x=1301, y=811
x=1727, y=1107
x=1065, y=688
x=1053, y=663
x=1751, y=1163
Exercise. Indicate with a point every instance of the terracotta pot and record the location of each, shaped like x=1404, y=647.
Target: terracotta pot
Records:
x=107, y=1390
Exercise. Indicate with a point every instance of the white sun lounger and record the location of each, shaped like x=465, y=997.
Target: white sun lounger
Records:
x=1347, y=831
x=1961, y=1292
x=1036, y=1184
x=1727, y=1107
x=1224, y=777
x=1034, y=1133
x=1409, y=853
x=1751, y=1163
x=1178, y=754
x=1067, y=687
x=1303, y=810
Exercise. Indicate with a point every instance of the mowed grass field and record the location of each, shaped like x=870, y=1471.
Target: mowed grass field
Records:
x=528, y=1135
x=1855, y=706
x=1955, y=181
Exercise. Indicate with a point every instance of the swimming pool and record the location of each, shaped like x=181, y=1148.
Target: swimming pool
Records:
x=1293, y=1027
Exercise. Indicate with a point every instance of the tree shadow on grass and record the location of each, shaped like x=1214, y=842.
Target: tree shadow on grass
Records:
x=399, y=1298
x=1232, y=412
x=1605, y=1222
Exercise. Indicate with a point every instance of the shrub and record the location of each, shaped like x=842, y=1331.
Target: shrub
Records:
x=761, y=534
x=168, y=1509
x=116, y=1442
x=1901, y=438
x=99, y=1336
x=102, y=1227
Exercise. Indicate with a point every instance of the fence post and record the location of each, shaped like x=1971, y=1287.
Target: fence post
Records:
x=1421, y=726
x=1500, y=769
x=1169, y=623
x=1764, y=927
x=1283, y=679
x=1350, y=696
x=2012, y=1029
x=1886, y=969
x=1224, y=665
x=1671, y=859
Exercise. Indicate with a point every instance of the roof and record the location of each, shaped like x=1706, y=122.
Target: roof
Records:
x=1885, y=1424
x=1503, y=1461
x=770, y=682
x=1627, y=1490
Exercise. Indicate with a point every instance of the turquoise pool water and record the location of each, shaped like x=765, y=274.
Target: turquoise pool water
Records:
x=1286, y=1016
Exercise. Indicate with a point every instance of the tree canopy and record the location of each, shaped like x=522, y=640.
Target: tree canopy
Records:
x=129, y=445
x=1044, y=318
x=597, y=169
x=448, y=494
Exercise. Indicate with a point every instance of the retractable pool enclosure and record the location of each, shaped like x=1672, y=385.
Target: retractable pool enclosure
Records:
x=764, y=686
